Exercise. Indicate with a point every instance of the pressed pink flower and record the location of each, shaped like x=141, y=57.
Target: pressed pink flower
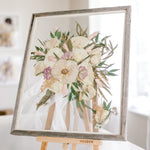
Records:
x=52, y=58
x=65, y=47
x=39, y=53
x=88, y=49
x=83, y=72
x=64, y=90
x=93, y=35
x=47, y=72
x=67, y=55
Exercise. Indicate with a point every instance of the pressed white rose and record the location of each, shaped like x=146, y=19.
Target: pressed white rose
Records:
x=56, y=86
x=101, y=115
x=52, y=84
x=50, y=54
x=65, y=71
x=91, y=92
x=51, y=43
x=95, y=59
x=79, y=41
x=80, y=54
x=39, y=67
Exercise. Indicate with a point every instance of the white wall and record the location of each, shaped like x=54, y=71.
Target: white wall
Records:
x=24, y=8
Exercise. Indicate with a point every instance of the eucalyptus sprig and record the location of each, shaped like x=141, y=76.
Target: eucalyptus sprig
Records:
x=80, y=31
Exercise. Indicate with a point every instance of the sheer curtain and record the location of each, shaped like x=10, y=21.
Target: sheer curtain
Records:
x=139, y=75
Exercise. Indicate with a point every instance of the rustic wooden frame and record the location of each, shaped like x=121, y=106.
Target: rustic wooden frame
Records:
x=124, y=90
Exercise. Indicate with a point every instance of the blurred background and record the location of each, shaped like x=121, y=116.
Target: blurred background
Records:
x=15, y=17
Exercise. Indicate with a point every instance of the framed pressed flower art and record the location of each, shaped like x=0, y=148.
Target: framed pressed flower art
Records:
x=75, y=75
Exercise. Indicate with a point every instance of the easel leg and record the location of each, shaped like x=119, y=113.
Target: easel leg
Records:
x=74, y=146
x=94, y=104
x=48, y=124
x=67, y=122
x=86, y=119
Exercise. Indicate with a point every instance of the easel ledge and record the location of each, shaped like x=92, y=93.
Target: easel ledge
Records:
x=68, y=140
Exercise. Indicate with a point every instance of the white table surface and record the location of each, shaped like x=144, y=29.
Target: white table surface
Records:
x=11, y=142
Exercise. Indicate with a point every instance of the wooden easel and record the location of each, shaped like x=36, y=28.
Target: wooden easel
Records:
x=73, y=141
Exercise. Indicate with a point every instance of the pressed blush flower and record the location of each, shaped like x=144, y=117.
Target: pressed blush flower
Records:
x=82, y=72
x=65, y=71
x=67, y=55
x=47, y=74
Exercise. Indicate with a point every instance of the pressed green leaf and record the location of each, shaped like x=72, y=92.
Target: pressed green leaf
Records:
x=48, y=93
x=107, y=90
x=82, y=102
x=39, y=73
x=68, y=33
x=105, y=105
x=110, y=65
x=105, y=37
x=70, y=96
x=42, y=43
x=56, y=32
x=76, y=85
x=32, y=53
x=78, y=103
x=58, y=35
x=37, y=48
x=102, y=94
x=52, y=35
x=96, y=38
x=74, y=93
x=69, y=44
x=67, y=85
x=111, y=74
x=113, y=70
x=56, y=56
x=108, y=106
x=83, y=59
x=102, y=44
x=45, y=98
x=101, y=63
x=72, y=36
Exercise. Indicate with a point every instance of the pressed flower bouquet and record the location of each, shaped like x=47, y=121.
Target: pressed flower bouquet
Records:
x=75, y=75
x=76, y=67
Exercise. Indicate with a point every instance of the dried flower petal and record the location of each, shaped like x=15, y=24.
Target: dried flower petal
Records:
x=39, y=53
x=52, y=58
x=89, y=48
x=47, y=74
x=82, y=72
x=67, y=55
x=65, y=47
